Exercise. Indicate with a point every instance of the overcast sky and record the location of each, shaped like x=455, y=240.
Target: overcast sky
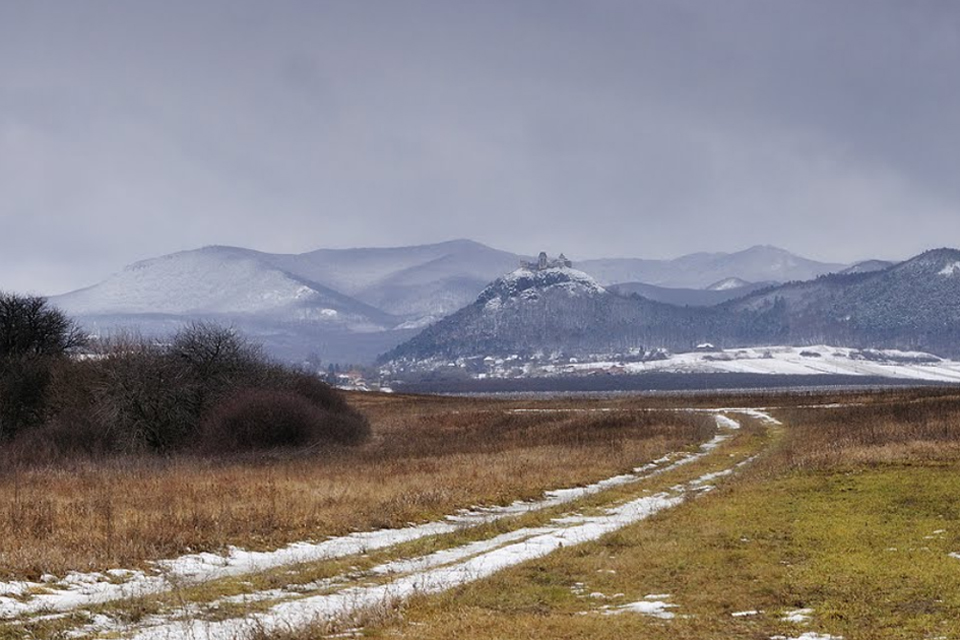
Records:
x=130, y=129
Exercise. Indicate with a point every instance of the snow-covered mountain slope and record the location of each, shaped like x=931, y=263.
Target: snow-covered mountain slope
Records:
x=911, y=305
x=353, y=270
x=728, y=284
x=700, y=270
x=532, y=312
x=219, y=281
x=419, y=284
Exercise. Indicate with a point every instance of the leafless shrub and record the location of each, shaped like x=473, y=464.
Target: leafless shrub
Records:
x=258, y=419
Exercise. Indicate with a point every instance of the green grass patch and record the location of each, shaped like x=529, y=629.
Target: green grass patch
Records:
x=867, y=550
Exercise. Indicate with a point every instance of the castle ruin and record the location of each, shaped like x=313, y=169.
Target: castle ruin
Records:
x=543, y=262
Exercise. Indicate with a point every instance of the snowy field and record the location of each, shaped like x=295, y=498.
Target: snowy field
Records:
x=811, y=360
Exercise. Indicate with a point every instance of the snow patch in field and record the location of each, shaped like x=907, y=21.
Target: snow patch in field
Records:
x=647, y=607
x=798, y=616
x=592, y=410
x=704, y=480
x=16, y=588
x=954, y=555
x=727, y=423
x=542, y=542
x=809, y=635
x=758, y=414
x=448, y=556
x=300, y=613
x=77, y=589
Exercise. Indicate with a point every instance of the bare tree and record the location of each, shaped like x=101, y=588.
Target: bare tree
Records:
x=32, y=335
x=29, y=326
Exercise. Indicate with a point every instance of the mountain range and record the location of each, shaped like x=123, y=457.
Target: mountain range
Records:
x=349, y=305
x=558, y=313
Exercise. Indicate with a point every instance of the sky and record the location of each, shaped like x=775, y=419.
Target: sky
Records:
x=600, y=128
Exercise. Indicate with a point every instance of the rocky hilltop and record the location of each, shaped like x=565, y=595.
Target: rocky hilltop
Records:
x=543, y=312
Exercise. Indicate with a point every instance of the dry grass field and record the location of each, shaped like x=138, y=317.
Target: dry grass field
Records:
x=841, y=522
x=428, y=457
x=848, y=527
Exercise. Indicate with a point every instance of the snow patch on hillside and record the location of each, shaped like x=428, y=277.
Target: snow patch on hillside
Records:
x=419, y=323
x=528, y=282
x=728, y=284
x=191, y=282
x=950, y=270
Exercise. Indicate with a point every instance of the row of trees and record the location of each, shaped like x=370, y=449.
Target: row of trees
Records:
x=206, y=389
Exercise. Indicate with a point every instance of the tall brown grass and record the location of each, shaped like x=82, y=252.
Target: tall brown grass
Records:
x=907, y=429
x=427, y=457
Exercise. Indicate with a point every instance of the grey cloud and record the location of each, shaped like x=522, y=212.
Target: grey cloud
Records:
x=652, y=128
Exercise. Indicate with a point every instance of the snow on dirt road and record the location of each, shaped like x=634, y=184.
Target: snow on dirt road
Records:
x=430, y=573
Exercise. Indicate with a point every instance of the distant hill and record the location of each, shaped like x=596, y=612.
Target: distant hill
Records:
x=294, y=317
x=221, y=281
x=427, y=281
x=690, y=297
x=868, y=265
x=912, y=305
x=700, y=270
